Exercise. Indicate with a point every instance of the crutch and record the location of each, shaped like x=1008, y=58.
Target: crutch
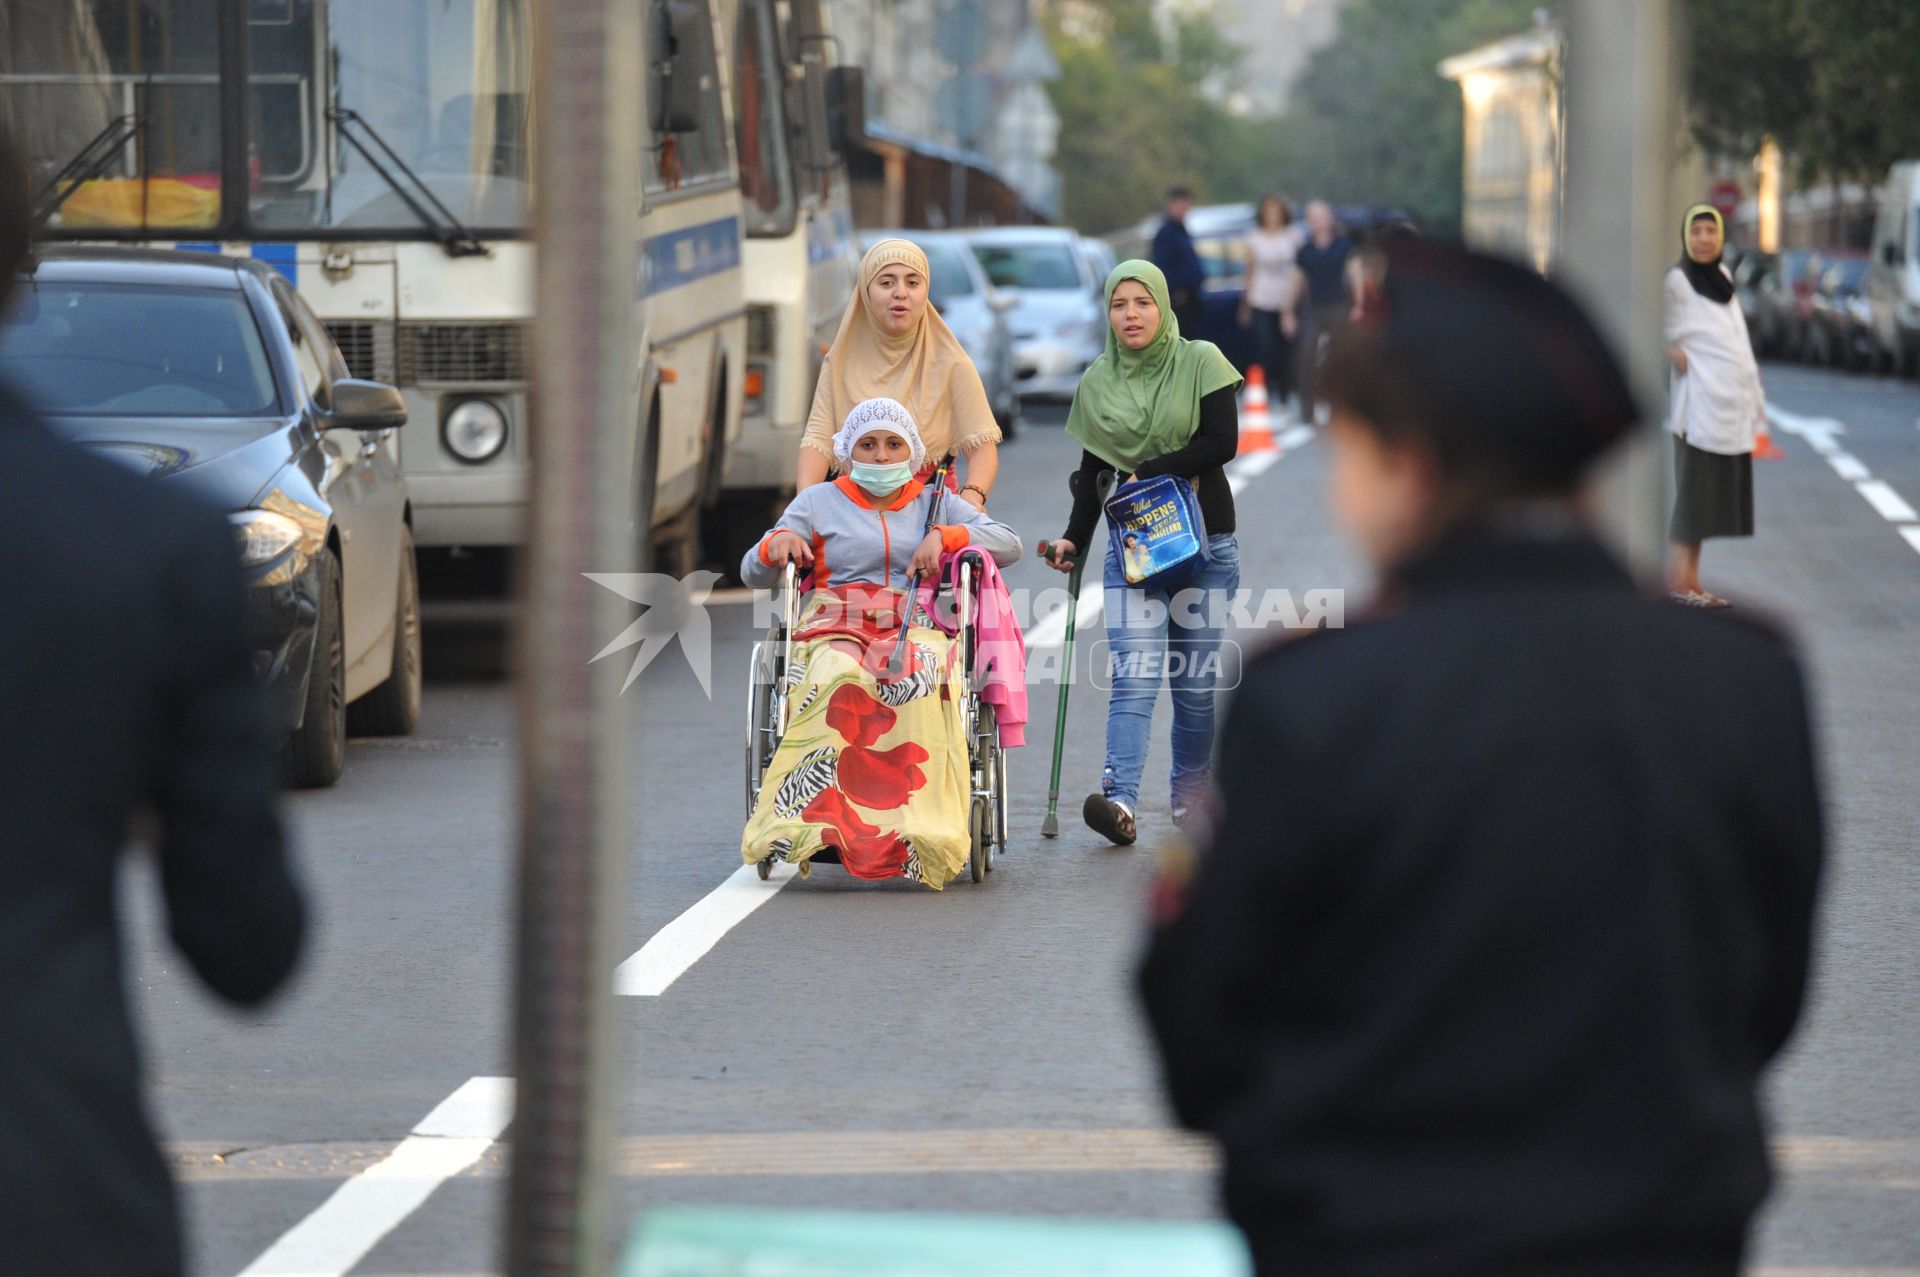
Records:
x=897, y=663
x=1050, y=827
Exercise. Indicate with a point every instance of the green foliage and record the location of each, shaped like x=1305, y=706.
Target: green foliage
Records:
x=1139, y=112
x=1835, y=84
x=1372, y=121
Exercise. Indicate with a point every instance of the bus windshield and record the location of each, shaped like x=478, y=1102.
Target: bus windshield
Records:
x=117, y=108
x=356, y=105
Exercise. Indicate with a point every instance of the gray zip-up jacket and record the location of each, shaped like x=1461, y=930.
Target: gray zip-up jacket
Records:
x=856, y=542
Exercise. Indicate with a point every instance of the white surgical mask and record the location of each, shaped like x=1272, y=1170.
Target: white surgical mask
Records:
x=879, y=478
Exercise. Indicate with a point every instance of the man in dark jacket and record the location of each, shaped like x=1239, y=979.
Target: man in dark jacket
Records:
x=125, y=684
x=1510, y=894
x=1173, y=252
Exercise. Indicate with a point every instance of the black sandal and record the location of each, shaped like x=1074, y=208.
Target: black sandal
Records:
x=1109, y=819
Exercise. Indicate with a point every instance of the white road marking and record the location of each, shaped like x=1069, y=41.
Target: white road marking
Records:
x=1251, y=466
x=350, y=1223
x=1891, y=505
x=1848, y=466
x=1295, y=437
x=677, y=946
x=1912, y=534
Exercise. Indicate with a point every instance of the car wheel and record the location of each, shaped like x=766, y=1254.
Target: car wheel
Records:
x=393, y=708
x=317, y=753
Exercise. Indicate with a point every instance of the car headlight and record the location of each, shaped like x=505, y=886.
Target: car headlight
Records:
x=264, y=536
x=474, y=430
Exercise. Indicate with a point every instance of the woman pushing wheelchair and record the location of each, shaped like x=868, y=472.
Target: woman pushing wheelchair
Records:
x=873, y=765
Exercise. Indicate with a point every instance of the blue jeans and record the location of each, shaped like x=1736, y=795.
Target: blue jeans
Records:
x=1155, y=636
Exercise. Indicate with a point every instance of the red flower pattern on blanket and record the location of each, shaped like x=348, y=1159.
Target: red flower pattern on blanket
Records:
x=858, y=716
x=882, y=779
x=866, y=851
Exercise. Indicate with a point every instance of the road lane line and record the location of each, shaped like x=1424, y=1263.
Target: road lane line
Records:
x=1848, y=466
x=350, y=1223
x=1912, y=534
x=1891, y=505
x=1295, y=437
x=674, y=948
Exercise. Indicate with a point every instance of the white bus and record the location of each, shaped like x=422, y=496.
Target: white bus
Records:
x=795, y=116
x=378, y=153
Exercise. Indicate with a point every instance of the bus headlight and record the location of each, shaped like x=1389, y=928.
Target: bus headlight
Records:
x=474, y=430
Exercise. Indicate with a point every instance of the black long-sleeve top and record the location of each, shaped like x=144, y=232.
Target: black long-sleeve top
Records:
x=1203, y=459
x=1509, y=901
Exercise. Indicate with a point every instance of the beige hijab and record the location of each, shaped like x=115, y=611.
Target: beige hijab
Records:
x=927, y=369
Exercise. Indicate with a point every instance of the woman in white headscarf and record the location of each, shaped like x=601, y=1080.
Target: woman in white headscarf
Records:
x=893, y=345
x=1716, y=404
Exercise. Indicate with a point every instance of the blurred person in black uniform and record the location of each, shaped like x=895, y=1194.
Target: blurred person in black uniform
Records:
x=125, y=685
x=1173, y=252
x=1509, y=891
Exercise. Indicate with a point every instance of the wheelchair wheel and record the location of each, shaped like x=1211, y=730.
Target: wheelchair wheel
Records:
x=765, y=868
x=999, y=797
x=980, y=826
x=759, y=746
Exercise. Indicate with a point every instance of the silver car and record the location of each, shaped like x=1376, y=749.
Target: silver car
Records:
x=1058, y=323
x=974, y=310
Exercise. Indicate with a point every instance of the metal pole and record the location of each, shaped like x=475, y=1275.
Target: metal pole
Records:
x=1624, y=136
x=574, y=836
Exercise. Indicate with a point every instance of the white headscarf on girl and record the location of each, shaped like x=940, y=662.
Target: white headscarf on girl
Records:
x=871, y=415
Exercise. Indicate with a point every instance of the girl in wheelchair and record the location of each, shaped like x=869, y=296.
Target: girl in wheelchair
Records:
x=873, y=767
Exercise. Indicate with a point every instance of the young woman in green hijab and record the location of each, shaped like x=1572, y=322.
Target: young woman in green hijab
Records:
x=1156, y=404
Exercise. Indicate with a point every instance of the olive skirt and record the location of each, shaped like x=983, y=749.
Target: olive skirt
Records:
x=1713, y=493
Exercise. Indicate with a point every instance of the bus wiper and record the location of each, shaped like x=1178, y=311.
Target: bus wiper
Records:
x=88, y=163
x=454, y=237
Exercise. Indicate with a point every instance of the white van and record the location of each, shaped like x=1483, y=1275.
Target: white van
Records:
x=1893, y=275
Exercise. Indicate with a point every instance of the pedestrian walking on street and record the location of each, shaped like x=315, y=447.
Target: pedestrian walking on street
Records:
x=1268, y=306
x=1716, y=404
x=1510, y=893
x=893, y=345
x=1321, y=291
x=126, y=684
x=1155, y=404
x=1179, y=261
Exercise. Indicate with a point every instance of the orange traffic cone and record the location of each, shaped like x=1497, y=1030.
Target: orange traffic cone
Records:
x=1764, y=448
x=1256, y=421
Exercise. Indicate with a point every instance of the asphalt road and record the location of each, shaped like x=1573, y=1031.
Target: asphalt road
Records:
x=858, y=1046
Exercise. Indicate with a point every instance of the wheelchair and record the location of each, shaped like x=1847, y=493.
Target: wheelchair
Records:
x=771, y=665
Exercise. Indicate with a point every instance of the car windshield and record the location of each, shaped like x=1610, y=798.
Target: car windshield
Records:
x=951, y=278
x=1037, y=264
x=125, y=350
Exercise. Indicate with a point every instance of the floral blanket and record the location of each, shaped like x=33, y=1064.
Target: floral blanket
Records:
x=876, y=770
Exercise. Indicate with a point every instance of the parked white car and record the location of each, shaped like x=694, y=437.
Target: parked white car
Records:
x=1058, y=324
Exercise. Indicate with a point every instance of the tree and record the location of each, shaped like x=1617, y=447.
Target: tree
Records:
x=1371, y=119
x=1140, y=111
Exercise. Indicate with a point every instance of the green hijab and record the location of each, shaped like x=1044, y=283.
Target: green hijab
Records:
x=1134, y=405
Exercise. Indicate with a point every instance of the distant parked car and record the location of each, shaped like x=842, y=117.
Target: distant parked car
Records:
x=1059, y=321
x=1840, y=333
x=1784, y=305
x=973, y=309
x=209, y=373
x=1753, y=268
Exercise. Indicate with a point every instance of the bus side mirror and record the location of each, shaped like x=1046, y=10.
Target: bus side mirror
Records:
x=674, y=36
x=847, y=109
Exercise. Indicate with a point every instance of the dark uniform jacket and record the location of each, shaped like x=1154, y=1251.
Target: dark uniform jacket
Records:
x=1508, y=904
x=125, y=682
